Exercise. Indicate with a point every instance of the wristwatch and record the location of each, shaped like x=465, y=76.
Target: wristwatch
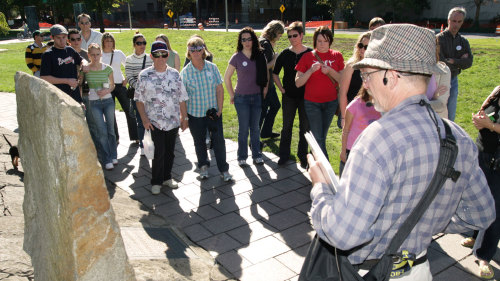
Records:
x=186, y=118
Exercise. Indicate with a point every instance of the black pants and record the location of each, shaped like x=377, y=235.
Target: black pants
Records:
x=290, y=107
x=270, y=107
x=163, y=161
x=120, y=93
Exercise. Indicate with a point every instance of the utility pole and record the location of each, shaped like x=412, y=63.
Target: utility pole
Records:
x=304, y=15
x=227, y=17
x=129, y=15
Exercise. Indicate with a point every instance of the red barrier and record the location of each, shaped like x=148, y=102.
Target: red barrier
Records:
x=314, y=24
x=44, y=25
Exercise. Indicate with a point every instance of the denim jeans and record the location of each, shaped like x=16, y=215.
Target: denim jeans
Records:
x=270, y=107
x=103, y=112
x=452, y=100
x=290, y=108
x=320, y=117
x=92, y=127
x=198, y=127
x=120, y=93
x=163, y=161
x=487, y=241
x=248, y=109
x=140, y=126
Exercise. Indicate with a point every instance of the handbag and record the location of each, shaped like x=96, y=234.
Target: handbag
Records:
x=130, y=89
x=325, y=262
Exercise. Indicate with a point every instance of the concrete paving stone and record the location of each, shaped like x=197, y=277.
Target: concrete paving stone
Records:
x=240, y=173
x=182, y=220
x=208, y=197
x=139, y=182
x=232, y=261
x=286, y=219
x=173, y=207
x=180, y=169
x=283, y=173
x=306, y=189
x=207, y=212
x=219, y=244
x=264, y=193
x=451, y=242
x=438, y=260
x=237, y=187
x=302, y=178
x=184, y=191
x=138, y=193
x=153, y=201
x=214, y=182
x=142, y=172
x=252, y=232
x=260, y=211
x=263, y=249
x=269, y=270
x=304, y=208
x=232, y=204
x=455, y=273
x=296, y=278
x=294, y=259
x=196, y=232
x=296, y=236
x=288, y=200
x=287, y=185
x=224, y=223
x=258, y=181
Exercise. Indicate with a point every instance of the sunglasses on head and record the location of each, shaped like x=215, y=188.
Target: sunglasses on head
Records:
x=195, y=49
x=75, y=39
x=138, y=43
x=293, y=35
x=243, y=40
x=159, y=54
x=361, y=46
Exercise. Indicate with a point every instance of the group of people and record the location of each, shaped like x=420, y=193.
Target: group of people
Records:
x=391, y=96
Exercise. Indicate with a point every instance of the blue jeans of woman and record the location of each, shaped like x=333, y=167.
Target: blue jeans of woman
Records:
x=92, y=127
x=198, y=127
x=320, y=116
x=140, y=126
x=487, y=241
x=248, y=109
x=103, y=112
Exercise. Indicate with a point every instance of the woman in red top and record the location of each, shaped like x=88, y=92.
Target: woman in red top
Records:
x=319, y=71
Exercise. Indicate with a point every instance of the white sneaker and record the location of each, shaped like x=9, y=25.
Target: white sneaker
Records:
x=258, y=161
x=155, y=189
x=109, y=166
x=204, y=172
x=171, y=183
x=115, y=161
x=242, y=163
x=226, y=176
x=142, y=151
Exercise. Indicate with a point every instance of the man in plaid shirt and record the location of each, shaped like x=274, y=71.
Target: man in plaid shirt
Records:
x=393, y=161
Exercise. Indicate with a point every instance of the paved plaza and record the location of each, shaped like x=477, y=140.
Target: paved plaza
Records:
x=256, y=226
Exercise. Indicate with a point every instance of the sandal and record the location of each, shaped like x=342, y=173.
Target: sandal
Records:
x=486, y=271
x=468, y=242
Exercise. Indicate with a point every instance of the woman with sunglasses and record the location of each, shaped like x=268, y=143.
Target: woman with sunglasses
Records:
x=320, y=72
x=251, y=86
x=116, y=58
x=101, y=84
x=292, y=97
x=351, y=80
x=134, y=64
x=173, y=57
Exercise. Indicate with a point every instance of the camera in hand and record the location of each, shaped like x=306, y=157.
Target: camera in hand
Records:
x=212, y=114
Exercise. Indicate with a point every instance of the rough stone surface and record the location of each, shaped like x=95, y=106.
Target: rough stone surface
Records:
x=70, y=227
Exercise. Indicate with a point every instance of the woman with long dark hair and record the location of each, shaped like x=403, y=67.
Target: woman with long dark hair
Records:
x=251, y=87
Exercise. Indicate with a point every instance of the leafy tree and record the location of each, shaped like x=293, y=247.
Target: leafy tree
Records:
x=332, y=8
x=401, y=9
x=4, y=27
x=178, y=7
x=103, y=6
x=478, y=4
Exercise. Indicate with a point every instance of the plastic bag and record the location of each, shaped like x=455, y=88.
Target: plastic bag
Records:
x=149, y=146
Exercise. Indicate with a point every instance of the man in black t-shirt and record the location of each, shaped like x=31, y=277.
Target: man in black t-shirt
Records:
x=61, y=64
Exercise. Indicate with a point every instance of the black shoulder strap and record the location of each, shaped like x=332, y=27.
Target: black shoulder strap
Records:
x=447, y=156
x=112, y=54
x=144, y=62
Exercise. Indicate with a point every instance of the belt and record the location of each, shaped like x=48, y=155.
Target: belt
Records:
x=368, y=264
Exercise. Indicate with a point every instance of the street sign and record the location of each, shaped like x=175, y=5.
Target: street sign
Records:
x=170, y=13
x=282, y=8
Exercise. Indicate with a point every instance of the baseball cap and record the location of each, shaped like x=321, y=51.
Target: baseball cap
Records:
x=57, y=29
x=158, y=46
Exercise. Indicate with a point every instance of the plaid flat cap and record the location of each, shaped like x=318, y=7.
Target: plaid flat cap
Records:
x=403, y=47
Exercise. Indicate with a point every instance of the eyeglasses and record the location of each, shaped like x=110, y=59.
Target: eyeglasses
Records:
x=75, y=39
x=365, y=76
x=159, y=54
x=85, y=22
x=361, y=46
x=243, y=40
x=139, y=43
x=195, y=49
x=294, y=36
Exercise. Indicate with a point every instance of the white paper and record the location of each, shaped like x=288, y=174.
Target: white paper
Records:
x=323, y=162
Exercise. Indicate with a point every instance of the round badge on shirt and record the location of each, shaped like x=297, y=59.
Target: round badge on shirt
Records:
x=459, y=48
x=245, y=63
x=209, y=74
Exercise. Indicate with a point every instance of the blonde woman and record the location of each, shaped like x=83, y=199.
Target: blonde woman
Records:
x=173, y=57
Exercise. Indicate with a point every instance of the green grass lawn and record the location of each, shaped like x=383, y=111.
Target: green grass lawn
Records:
x=474, y=83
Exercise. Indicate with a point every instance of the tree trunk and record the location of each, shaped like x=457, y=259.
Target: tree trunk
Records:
x=99, y=16
x=476, y=17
